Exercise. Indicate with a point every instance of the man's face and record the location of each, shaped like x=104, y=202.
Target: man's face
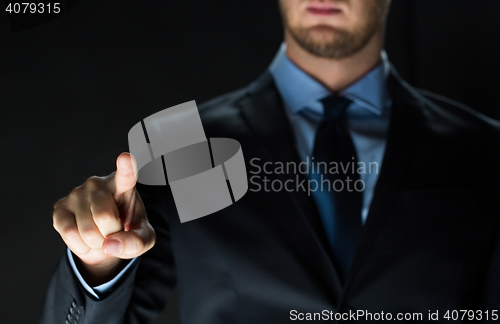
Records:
x=333, y=28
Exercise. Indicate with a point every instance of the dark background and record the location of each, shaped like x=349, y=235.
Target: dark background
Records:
x=71, y=89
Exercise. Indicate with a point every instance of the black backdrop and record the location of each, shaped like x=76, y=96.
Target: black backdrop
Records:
x=71, y=89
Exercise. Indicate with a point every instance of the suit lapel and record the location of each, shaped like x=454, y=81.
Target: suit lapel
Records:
x=263, y=110
x=402, y=142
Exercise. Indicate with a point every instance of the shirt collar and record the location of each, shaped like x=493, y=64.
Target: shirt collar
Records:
x=300, y=91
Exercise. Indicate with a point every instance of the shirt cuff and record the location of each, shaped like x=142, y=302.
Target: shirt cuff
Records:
x=101, y=289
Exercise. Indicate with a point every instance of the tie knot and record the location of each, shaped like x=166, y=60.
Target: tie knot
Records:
x=334, y=106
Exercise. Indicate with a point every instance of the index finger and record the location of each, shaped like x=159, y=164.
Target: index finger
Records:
x=126, y=173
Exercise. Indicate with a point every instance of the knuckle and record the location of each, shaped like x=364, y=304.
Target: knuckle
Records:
x=69, y=233
x=90, y=234
x=56, y=216
x=76, y=193
x=105, y=218
x=55, y=223
x=59, y=223
x=94, y=182
x=60, y=203
x=99, y=194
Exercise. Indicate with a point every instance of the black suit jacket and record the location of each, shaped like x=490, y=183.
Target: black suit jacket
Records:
x=430, y=242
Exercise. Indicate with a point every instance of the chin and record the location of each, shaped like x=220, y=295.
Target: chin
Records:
x=324, y=33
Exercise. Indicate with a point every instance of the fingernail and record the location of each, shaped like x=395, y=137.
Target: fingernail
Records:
x=114, y=247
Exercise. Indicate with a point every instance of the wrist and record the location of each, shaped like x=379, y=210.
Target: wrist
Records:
x=102, y=272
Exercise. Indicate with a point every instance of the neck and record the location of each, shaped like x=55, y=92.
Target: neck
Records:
x=336, y=74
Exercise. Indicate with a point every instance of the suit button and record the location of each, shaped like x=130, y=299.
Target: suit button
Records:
x=74, y=313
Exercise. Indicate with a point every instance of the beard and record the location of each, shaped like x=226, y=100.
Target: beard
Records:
x=336, y=43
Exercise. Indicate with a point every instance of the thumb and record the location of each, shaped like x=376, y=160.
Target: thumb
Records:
x=130, y=244
x=126, y=173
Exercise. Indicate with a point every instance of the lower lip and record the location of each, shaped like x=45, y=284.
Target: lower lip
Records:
x=323, y=12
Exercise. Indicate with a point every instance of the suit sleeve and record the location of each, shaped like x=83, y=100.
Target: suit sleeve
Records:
x=140, y=294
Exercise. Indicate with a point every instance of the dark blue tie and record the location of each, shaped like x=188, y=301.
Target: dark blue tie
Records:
x=340, y=203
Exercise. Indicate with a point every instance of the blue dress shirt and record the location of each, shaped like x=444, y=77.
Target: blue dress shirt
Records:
x=367, y=119
x=101, y=289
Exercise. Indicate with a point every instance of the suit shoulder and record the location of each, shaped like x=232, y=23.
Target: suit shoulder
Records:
x=221, y=105
x=224, y=100
x=221, y=115
x=457, y=114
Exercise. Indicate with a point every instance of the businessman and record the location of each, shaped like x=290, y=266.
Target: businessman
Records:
x=415, y=236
